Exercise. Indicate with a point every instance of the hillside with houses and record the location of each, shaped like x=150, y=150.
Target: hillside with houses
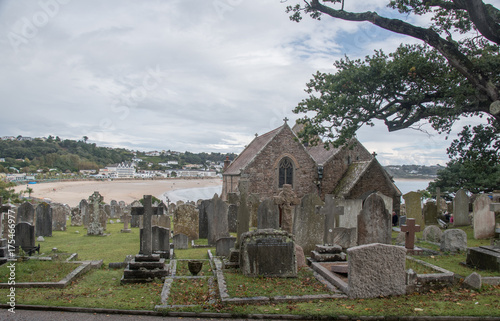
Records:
x=29, y=159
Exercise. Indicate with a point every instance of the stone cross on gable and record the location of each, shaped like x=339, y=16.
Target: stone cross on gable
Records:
x=286, y=200
x=147, y=232
x=410, y=228
x=286, y=120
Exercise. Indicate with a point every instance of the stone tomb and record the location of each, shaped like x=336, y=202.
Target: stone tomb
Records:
x=328, y=253
x=376, y=270
x=269, y=253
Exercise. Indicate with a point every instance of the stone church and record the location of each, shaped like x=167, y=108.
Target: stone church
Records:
x=277, y=157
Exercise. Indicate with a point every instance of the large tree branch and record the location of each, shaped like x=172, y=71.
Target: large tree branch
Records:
x=485, y=18
x=447, y=48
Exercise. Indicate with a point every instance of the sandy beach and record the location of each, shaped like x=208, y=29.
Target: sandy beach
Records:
x=73, y=192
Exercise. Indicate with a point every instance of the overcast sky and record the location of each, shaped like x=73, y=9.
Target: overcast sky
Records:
x=190, y=75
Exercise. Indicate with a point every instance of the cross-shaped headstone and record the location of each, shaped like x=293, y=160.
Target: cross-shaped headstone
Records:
x=332, y=214
x=286, y=200
x=410, y=228
x=147, y=211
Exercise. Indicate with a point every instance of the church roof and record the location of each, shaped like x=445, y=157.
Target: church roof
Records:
x=249, y=153
x=320, y=154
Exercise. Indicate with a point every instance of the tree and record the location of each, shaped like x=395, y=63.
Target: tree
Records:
x=453, y=73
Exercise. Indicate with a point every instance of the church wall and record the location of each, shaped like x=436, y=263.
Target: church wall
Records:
x=229, y=185
x=262, y=172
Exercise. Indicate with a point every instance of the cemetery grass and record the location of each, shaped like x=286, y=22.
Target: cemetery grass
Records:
x=38, y=271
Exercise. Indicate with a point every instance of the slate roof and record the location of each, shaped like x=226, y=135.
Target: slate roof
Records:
x=320, y=154
x=251, y=151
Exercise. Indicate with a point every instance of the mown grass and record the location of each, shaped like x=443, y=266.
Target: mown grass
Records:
x=452, y=263
x=37, y=271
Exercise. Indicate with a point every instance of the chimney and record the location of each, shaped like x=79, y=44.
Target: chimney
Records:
x=226, y=163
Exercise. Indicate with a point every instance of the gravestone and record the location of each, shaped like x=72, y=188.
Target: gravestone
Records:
x=146, y=266
x=217, y=220
x=43, y=215
x=269, y=253
x=181, y=241
x=454, y=240
x=352, y=208
x=243, y=212
x=268, y=215
x=95, y=226
x=432, y=233
x=60, y=214
x=402, y=220
x=107, y=210
x=185, y=221
x=413, y=202
x=461, y=209
x=160, y=241
x=126, y=218
x=76, y=217
x=331, y=212
x=203, y=219
x=484, y=218
x=409, y=229
x=374, y=222
x=115, y=209
x=84, y=210
x=135, y=220
x=346, y=237
x=376, y=270
x=232, y=218
x=224, y=245
x=24, y=236
x=253, y=205
x=25, y=213
x=430, y=213
x=309, y=224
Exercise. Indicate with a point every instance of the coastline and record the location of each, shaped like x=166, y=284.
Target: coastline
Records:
x=72, y=192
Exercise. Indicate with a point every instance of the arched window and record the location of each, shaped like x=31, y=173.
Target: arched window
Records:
x=285, y=172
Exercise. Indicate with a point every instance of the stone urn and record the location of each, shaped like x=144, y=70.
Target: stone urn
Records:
x=195, y=266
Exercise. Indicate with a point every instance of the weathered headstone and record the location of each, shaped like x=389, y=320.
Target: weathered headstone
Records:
x=253, y=205
x=309, y=224
x=43, y=220
x=76, y=217
x=269, y=253
x=95, y=226
x=126, y=217
x=454, y=240
x=84, y=210
x=147, y=211
x=484, y=218
x=217, y=220
x=374, y=222
x=224, y=245
x=409, y=229
x=432, y=233
x=25, y=213
x=135, y=220
x=160, y=241
x=268, y=215
x=243, y=212
x=60, y=214
x=185, y=221
x=286, y=200
x=413, y=202
x=345, y=237
x=430, y=213
x=402, y=220
x=203, y=219
x=181, y=241
x=461, y=209
x=331, y=212
x=24, y=236
x=376, y=270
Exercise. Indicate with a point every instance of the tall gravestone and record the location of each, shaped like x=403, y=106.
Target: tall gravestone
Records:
x=160, y=241
x=25, y=213
x=43, y=215
x=286, y=200
x=461, y=209
x=376, y=270
x=374, y=222
x=94, y=226
x=331, y=212
x=484, y=218
x=24, y=236
x=232, y=212
x=84, y=211
x=430, y=213
x=217, y=220
x=413, y=202
x=135, y=220
x=186, y=221
x=76, y=217
x=60, y=214
x=243, y=212
x=309, y=224
x=268, y=215
x=203, y=219
x=253, y=206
